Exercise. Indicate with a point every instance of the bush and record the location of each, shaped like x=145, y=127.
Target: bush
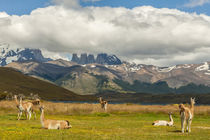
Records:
x=3, y=96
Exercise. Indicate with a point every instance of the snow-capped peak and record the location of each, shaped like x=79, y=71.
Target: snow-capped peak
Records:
x=204, y=67
x=9, y=54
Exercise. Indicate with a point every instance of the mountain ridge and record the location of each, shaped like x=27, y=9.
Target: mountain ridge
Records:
x=8, y=55
x=15, y=82
x=96, y=78
x=89, y=75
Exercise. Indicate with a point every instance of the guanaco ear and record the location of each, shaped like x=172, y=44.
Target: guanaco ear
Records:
x=192, y=99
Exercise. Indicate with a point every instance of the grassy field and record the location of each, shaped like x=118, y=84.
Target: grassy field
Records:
x=123, y=122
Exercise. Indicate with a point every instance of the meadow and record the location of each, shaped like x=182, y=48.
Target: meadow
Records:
x=90, y=122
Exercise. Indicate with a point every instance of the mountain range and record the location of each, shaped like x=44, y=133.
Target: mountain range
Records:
x=107, y=73
x=8, y=55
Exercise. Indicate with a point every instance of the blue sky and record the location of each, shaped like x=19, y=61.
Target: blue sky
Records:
x=20, y=7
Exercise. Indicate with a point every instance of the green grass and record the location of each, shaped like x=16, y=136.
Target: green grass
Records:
x=103, y=126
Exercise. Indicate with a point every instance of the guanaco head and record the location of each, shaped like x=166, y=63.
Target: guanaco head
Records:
x=192, y=100
x=36, y=102
x=181, y=106
x=169, y=113
x=41, y=108
x=68, y=125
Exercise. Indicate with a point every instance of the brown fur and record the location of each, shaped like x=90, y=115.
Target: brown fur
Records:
x=35, y=103
x=103, y=103
x=187, y=115
x=25, y=107
x=53, y=124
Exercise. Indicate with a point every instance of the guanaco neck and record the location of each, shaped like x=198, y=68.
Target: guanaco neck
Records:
x=171, y=119
x=42, y=116
x=192, y=107
x=16, y=101
x=100, y=100
x=20, y=102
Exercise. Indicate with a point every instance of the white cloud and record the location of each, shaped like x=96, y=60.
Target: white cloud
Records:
x=55, y=55
x=195, y=3
x=143, y=34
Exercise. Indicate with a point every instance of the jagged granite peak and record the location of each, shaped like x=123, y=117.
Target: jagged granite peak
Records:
x=75, y=58
x=83, y=58
x=8, y=55
x=113, y=60
x=101, y=58
x=91, y=59
x=32, y=54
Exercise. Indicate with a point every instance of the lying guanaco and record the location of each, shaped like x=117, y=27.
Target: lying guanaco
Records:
x=164, y=123
x=53, y=124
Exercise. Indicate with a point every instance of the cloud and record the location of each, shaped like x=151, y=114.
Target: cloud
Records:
x=143, y=34
x=195, y=3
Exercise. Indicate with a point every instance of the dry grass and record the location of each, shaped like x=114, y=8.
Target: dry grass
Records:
x=87, y=108
x=121, y=122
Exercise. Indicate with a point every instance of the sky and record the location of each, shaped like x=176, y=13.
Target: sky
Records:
x=158, y=32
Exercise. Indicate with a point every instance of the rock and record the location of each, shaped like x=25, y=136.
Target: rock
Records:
x=91, y=59
x=75, y=58
x=101, y=58
x=83, y=59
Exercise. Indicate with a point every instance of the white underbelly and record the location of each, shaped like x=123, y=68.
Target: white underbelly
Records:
x=161, y=123
x=56, y=126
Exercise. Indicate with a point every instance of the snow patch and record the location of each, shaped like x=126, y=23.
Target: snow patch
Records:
x=92, y=66
x=136, y=68
x=11, y=59
x=133, y=67
x=185, y=66
x=207, y=73
x=203, y=67
x=165, y=69
x=83, y=65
